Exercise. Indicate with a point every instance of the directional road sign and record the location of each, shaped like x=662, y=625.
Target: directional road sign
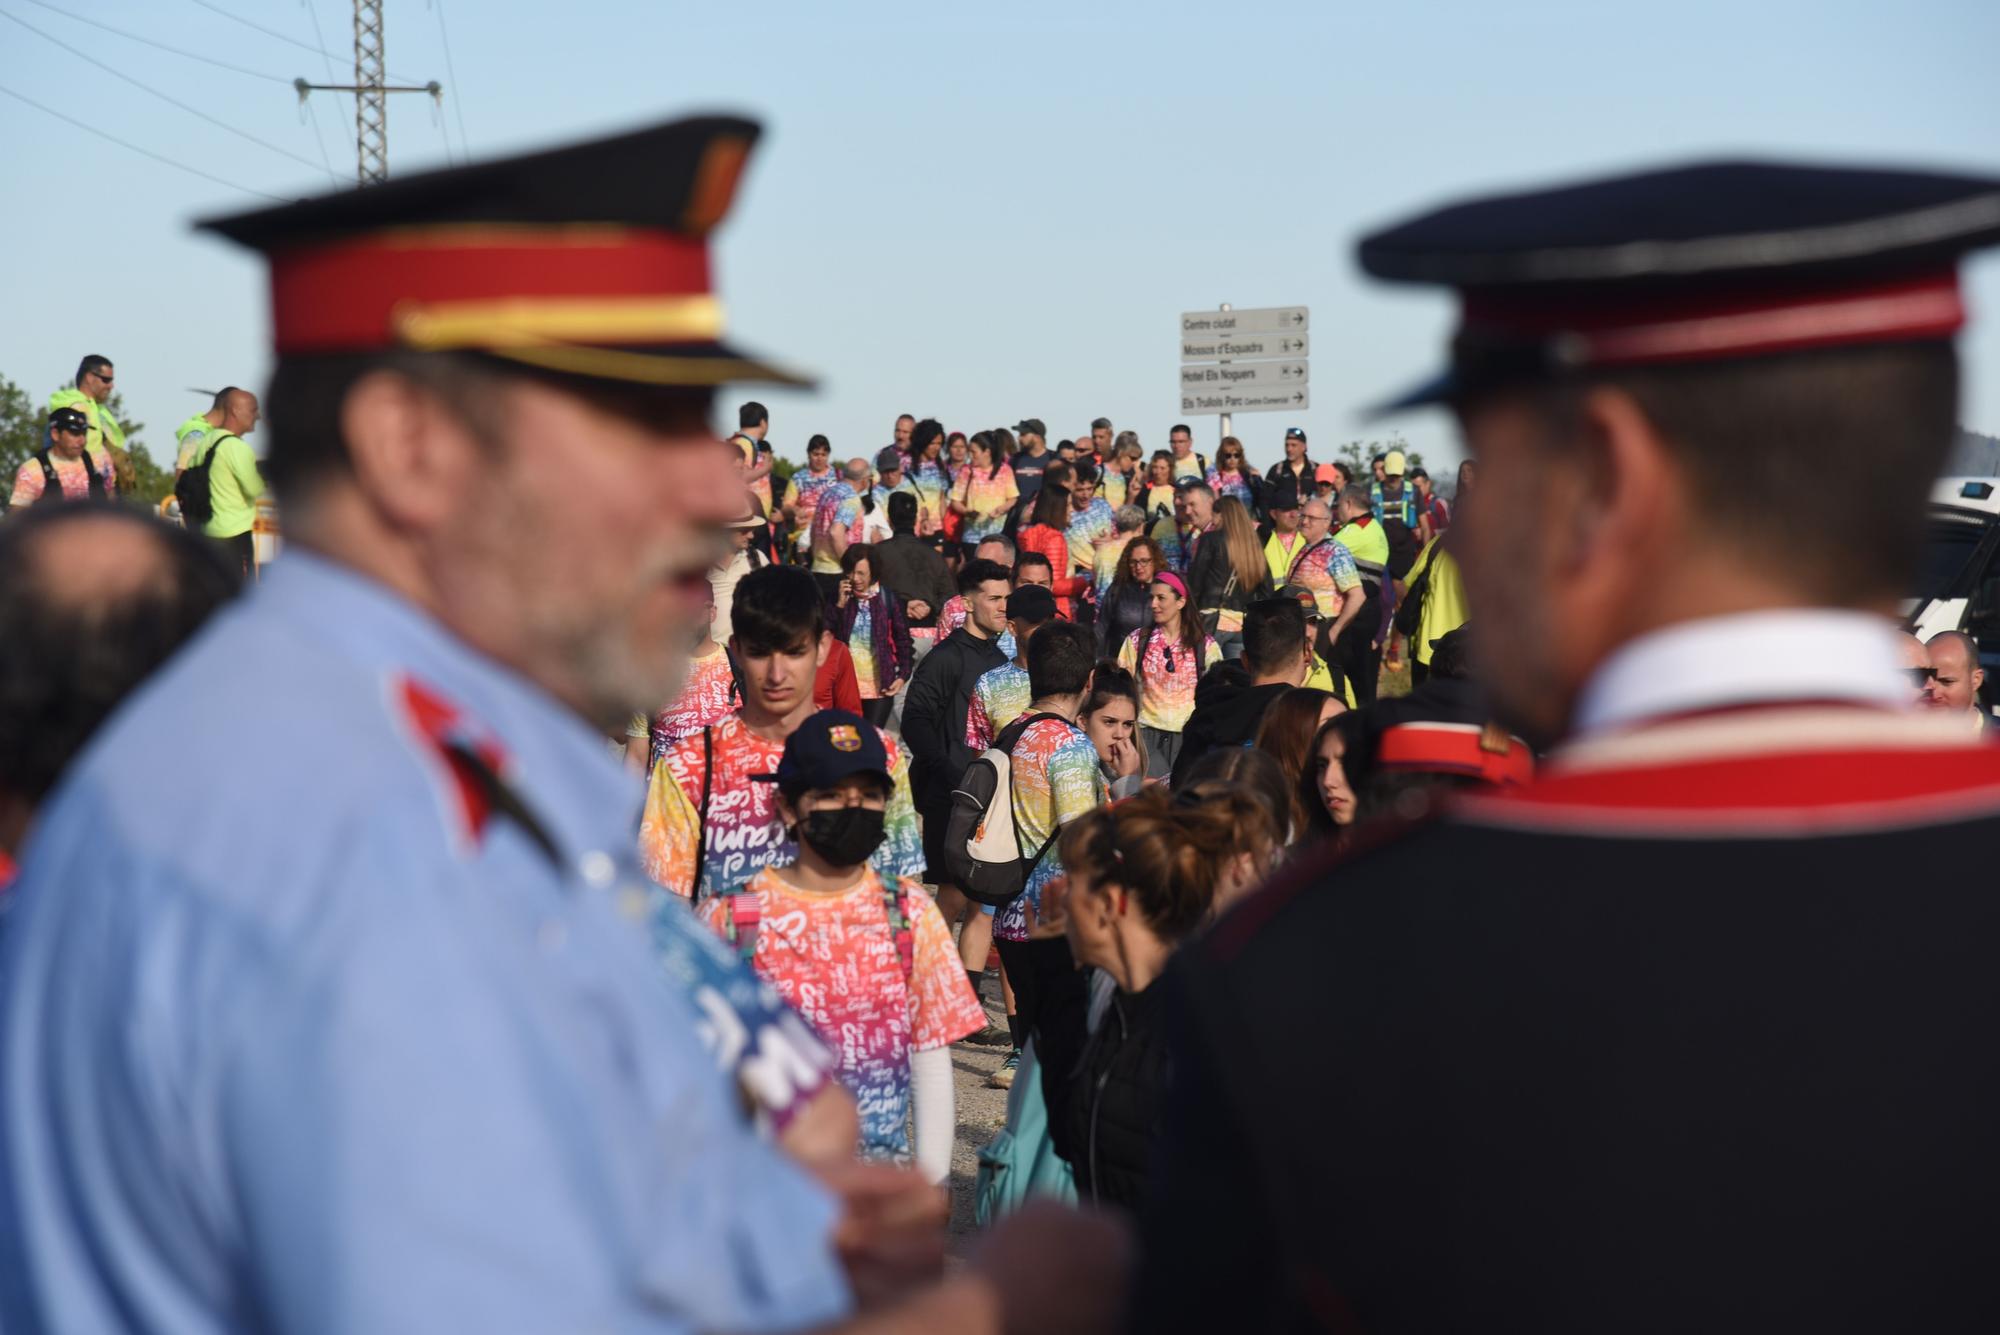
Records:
x=1262, y=320
x=1241, y=347
x=1220, y=400
x=1243, y=375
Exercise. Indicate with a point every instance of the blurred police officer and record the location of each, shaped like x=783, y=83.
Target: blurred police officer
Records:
x=1669, y=1039
x=354, y=1024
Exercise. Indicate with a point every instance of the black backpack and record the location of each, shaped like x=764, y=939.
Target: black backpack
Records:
x=192, y=489
x=52, y=485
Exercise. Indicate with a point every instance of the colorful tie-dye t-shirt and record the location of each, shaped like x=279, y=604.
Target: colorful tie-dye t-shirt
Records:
x=861, y=648
x=802, y=494
x=708, y=698
x=744, y=834
x=1116, y=486
x=838, y=507
x=1327, y=568
x=1055, y=779
x=932, y=486
x=998, y=698
x=1089, y=527
x=1166, y=673
x=834, y=958
x=991, y=497
x=1230, y=484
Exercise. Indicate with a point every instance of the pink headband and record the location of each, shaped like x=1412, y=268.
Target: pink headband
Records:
x=1172, y=581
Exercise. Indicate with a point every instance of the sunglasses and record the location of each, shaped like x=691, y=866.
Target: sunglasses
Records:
x=101, y=376
x=72, y=431
x=1921, y=676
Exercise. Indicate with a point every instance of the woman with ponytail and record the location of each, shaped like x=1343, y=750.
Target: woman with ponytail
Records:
x=1141, y=878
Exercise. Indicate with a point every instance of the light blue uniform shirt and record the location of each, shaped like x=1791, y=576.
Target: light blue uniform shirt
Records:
x=290, y=1040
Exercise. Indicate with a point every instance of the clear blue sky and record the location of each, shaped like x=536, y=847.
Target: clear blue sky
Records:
x=981, y=212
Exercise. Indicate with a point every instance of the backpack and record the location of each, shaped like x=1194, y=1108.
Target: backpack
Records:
x=52, y=485
x=1021, y=1163
x=192, y=490
x=746, y=911
x=982, y=849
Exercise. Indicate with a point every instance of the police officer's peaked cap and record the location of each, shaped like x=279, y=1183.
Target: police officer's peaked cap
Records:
x=1701, y=263
x=589, y=260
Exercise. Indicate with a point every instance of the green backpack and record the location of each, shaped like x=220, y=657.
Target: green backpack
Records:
x=1021, y=1162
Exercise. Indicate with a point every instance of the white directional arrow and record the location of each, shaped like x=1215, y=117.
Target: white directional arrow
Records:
x=1243, y=375
x=1241, y=347
x=1259, y=320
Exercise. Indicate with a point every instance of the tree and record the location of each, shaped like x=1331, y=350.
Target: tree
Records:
x=1356, y=454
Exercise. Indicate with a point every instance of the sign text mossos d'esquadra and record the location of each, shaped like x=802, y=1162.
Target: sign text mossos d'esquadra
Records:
x=1241, y=347
x=1221, y=400
x=1258, y=320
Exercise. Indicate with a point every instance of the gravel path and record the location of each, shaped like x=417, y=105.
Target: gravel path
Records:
x=981, y=1111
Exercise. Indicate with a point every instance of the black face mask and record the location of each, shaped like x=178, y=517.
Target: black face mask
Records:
x=844, y=836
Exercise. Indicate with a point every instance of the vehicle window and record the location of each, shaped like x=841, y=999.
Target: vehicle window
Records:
x=1947, y=547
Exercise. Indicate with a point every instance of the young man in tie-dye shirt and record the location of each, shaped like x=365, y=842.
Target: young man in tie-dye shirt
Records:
x=1055, y=779
x=708, y=828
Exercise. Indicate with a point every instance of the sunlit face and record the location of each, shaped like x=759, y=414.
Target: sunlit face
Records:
x=1182, y=443
x=1285, y=521
x=1295, y=449
x=1200, y=508
x=1160, y=472
x=818, y=457
x=986, y=607
x=1315, y=519
x=1100, y=440
x=904, y=426
x=589, y=588
x=1167, y=604
x=1090, y=913
x=1033, y=573
x=1144, y=565
x=1958, y=681
x=1081, y=493
x=240, y=418
x=776, y=683
x=957, y=450
x=861, y=578
x=982, y=456
x=1112, y=722
x=1330, y=778
x=97, y=384
x=68, y=442
x=1229, y=460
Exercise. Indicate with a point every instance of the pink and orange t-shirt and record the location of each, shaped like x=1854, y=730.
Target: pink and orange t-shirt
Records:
x=1166, y=671
x=708, y=698
x=1055, y=779
x=742, y=834
x=999, y=696
x=834, y=958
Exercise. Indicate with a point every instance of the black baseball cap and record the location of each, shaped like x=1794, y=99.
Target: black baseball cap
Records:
x=1283, y=495
x=1032, y=602
x=829, y=746
x=1293, y=433
x=1031, y=424
x=68, y=419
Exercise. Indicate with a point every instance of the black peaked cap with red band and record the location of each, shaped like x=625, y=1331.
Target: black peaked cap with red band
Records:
x=590, y=260
x=1702, y=263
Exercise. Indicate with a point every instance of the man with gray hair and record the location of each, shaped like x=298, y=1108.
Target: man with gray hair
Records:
x=1100, y=437
x=1956, y=677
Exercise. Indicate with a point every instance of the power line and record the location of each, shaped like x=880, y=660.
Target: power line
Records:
x=457, y=89
x=320, y=36
x=144, y=152
x=273, y=32
x=164, y=97
x=173, y=50
x=318, y=138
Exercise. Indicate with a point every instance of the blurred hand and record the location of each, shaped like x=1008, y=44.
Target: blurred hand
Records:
x=1058, y=1270
x=890, y=1238
x=918, y=609
x=1050, y=918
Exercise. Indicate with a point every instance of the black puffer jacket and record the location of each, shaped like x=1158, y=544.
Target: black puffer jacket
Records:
x=1115, y=1100
x=1126, y=608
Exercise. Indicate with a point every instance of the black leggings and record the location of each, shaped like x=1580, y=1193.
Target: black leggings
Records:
x=877, y=711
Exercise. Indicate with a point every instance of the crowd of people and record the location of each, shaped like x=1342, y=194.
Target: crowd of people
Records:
x=1396, y=910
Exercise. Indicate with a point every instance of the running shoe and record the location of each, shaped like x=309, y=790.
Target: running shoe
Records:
x=1004, y=1077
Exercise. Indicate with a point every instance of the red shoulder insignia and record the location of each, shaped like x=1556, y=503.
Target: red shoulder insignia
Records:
x=445, y=737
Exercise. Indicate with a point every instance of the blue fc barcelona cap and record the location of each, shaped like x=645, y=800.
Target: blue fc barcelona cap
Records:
x=1704, y=263
x=829, y=746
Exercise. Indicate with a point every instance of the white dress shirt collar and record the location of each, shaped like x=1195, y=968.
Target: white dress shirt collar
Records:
x=1748, y=658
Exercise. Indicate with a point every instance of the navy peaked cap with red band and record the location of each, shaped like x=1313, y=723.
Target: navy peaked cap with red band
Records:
x=1703, y=263
x=590, y=259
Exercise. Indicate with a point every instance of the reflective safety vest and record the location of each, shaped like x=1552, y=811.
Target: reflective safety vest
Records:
x=104, y=428
x=1365, y=538
x=190, y=443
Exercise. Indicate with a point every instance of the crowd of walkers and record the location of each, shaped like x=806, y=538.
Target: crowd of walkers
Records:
x=1176, y=683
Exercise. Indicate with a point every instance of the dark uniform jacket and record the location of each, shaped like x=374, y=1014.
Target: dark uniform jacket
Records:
x=1682, y=1039
x=1114, y=1100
